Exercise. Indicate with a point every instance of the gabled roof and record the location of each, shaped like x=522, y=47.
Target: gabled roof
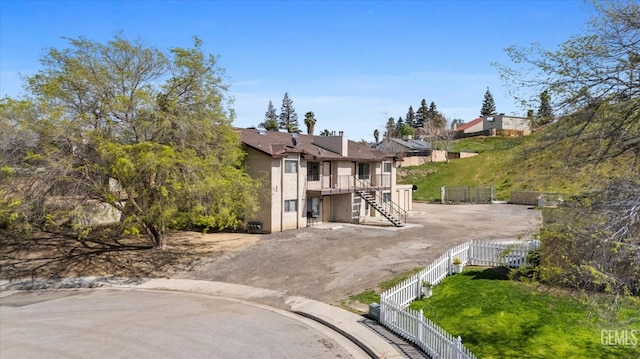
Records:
x=464, y=126
x=408, y=144
x=278, y=144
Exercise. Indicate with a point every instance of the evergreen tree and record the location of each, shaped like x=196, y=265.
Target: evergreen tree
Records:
x=270, y=119
x=325, y=133
x=399, y=124
x=421, y=115
x=288, y=115
x=411, y=117
x=488, y=105
x=545, y=112
x=432, y=112
x=310, y=122
x=390, y=129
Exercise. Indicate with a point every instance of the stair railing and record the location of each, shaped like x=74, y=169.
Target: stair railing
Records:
x=389, y=206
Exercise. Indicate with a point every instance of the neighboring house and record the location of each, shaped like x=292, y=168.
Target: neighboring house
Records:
x=470, y=127
x=309, y=179
x=494, y=125
x=507, y=125
x=414, y=152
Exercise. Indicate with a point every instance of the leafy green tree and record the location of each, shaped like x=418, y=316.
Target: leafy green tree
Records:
x=288, y=115
x=270, y=122
x=310, y=122
x=325, y=133
x=488, y=104
x=545, y=112
x=406, y=130
x=594, y=81
x=145, y=131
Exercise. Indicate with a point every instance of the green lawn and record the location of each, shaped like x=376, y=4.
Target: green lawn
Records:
x=500, y=318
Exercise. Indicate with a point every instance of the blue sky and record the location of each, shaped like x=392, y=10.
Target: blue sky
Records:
x=353, y=63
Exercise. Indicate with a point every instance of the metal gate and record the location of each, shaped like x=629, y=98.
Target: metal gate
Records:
x=465, y=194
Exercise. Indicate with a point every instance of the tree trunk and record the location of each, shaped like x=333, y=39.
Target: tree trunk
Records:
x=156, y=235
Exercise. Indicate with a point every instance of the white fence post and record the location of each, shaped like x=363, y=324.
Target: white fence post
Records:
x=457, y=351
x=443, y=190
x=420, y=329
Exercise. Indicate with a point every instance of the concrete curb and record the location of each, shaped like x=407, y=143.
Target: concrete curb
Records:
x=348, y=325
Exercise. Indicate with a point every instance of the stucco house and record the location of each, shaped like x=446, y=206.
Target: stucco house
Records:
x=507, y=125
x=495, y=125
x=477, y=125
x=310, y=179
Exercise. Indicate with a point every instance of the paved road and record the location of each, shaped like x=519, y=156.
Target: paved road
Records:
x=157, y=324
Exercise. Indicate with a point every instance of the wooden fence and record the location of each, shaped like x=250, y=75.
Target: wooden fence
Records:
x=412, y=325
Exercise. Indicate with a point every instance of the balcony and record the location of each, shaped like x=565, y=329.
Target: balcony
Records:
x=326, y=185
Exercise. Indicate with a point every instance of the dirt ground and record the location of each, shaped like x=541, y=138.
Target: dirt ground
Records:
x=328, y=263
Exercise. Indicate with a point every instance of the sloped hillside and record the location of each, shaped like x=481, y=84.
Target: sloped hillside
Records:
x=511, y=164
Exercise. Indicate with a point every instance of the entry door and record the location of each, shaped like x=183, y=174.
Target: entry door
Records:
x=326, y=208
x=326, y=174
x=315, y=207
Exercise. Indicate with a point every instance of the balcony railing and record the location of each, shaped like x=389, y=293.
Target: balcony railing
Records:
x=347, y=183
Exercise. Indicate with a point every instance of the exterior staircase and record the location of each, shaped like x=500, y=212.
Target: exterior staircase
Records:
x=389, y=209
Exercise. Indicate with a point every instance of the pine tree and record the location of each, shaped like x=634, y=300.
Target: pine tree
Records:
x=411, y=117
x=545, y=112
x=288, y=115
x=310, y=122
x=390, y=129
x=398, y=126
x=488, y=105
x=270, y=119
x=421, y=115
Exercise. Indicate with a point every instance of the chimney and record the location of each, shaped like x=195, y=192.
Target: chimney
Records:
x=338, y=144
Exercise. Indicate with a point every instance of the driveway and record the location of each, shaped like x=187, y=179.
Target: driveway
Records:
x=337, y=260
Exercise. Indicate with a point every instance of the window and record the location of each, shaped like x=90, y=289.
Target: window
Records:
x=386, y=167
x=290, y=205
x=386, y=197
x=290, y=166
x=363, y=171
x=313, y=171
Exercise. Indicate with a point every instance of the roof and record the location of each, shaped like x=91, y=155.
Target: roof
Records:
x=279, y=144
x=408, y=144
x=464, y=126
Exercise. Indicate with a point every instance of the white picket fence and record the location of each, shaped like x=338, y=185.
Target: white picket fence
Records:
x=412, y=325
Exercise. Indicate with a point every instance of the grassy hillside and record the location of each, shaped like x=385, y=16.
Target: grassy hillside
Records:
x=511, y=164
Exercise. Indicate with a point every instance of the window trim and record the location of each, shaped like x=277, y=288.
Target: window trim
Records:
x=287, y=205
x=312, y=177
x=290, y=166
x=365, y=175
